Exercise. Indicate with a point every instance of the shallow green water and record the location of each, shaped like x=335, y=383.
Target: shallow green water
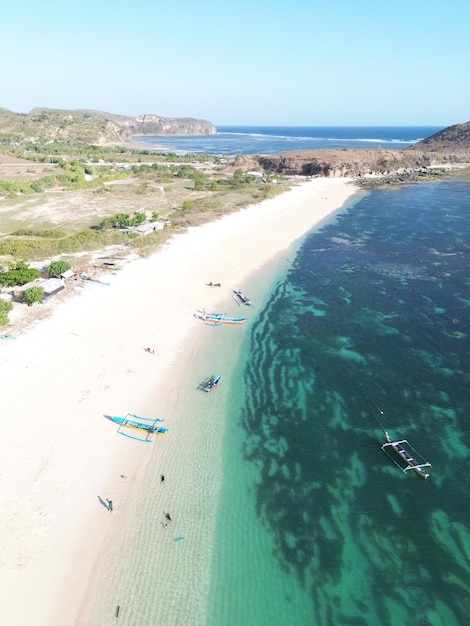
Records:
x=370, y=328
x=311, y=523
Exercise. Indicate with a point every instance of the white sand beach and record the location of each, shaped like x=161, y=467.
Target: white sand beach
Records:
x=61, y=460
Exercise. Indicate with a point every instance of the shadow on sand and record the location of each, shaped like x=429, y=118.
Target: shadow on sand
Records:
x=104, y=503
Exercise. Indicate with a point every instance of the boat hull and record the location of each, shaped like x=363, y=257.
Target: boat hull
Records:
x=242, y=299
x=217, y=319
x=210, y=384
x=131, y=424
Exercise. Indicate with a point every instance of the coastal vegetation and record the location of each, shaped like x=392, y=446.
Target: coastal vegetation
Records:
x=63, y=197
x=19, y=273
x=33, y=294
x=56, y=268
x=94, y=127
x=70, y=185
x=5, y=308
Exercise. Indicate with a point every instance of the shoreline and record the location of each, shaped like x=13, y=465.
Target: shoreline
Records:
x=60, y=457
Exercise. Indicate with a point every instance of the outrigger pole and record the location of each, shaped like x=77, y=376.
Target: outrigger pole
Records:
x=378, y=421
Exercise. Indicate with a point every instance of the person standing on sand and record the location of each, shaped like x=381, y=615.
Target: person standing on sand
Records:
x=110, y=505
x=162, y=478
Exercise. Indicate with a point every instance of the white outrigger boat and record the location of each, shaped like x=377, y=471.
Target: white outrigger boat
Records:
x=408, y=458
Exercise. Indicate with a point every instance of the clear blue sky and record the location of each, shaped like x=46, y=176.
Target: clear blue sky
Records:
x=259, y=62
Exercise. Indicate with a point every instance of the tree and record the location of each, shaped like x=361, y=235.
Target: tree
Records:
x=5, y=307
x=56, y=268
x=33, y=294
x=18, y=274
x=238, y=177
x=122, y=220
x=139, y=218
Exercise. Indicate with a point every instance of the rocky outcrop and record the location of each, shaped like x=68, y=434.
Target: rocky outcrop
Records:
x=156, y=125
x=454, y=139
x=425, y=158
x=396, y=164
x=343, y=163
x=150, y=124
x=94, y=127
x=402, y=176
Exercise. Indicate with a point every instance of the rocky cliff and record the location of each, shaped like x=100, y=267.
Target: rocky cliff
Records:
x=94, y=127
x=155, y=125
x=452, y=145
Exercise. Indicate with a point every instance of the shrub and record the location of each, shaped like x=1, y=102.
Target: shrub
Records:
x=56, y=268
x=5, y=308
x=33, y=294
x=139, y=218
x=18, y=274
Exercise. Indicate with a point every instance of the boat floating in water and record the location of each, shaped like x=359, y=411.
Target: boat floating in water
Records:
x=132, y=422
x=241, y=298
x=407, y=454
x=217, y=319
x=210, y=383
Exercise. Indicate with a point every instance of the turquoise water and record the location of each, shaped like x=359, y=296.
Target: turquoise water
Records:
x=316, y=525
x=290, y=512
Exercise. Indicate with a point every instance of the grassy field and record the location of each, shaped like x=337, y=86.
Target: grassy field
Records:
x=60, y=220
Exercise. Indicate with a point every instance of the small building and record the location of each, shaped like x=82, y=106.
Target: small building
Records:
x=67, y=274
x=51, y=286
x=146, y=228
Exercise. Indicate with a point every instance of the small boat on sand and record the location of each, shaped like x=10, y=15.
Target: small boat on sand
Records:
x=217, y=319
x=241, y=298
x=210, y=383
x=211, y=284
x=132, y=422
x=85, y=276
x=403, y=450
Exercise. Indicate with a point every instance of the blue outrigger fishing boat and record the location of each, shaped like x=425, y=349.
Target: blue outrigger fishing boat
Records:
x=133, y=422
x=210, y=383
x=84, y=276
x=217, y=319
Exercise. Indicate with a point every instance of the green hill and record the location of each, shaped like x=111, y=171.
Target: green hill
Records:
x=93, y=127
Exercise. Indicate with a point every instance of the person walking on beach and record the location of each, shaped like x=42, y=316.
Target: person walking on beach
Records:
x=110, y=505
x=162, y=478
x=168, y=517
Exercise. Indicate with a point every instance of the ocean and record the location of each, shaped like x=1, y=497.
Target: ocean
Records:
x=368, y=329
x=262, y=140
x=362, y=326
